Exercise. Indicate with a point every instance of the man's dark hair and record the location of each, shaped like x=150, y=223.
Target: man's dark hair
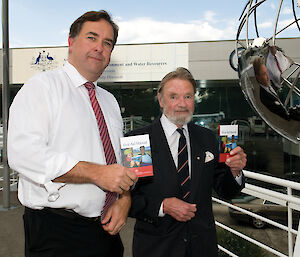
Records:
x=179, y=73
x=93, y=16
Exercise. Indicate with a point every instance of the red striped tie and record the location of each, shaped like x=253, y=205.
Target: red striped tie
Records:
x=183, y=167
x=106, y=142
x=277, y=63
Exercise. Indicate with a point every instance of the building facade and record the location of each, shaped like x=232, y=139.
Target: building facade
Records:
x=135, y=71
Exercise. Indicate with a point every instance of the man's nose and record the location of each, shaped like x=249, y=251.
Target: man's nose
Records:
x=182, y=101
x=99, y=47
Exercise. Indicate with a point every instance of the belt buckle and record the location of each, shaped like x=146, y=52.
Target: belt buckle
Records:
x=96, y=218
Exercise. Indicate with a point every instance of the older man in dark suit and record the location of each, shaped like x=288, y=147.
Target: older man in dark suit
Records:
x=173, y=209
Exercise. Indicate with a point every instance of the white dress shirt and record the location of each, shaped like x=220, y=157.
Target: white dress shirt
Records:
x=273, y=70
x=173, y=139
x=52, y=127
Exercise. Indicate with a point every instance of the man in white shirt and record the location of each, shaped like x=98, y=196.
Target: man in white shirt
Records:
x=173, y=213
x=276, y=64
x=55, y=144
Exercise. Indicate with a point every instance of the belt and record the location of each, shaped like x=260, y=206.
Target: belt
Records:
x=70, y=214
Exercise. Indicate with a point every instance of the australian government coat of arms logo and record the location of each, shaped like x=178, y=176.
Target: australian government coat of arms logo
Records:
x=43, y=61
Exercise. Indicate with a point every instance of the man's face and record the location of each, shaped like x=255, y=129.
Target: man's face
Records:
x=90, y=50
x=263, y=77
x=142, y=150
x=177, y=101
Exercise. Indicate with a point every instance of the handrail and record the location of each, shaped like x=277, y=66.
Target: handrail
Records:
x=226, y=251
x=271, y=222
x=264, y=193
x=133, y=122
x=13, y=179
x=284, y=199
x=250, y=240
x=272, y=180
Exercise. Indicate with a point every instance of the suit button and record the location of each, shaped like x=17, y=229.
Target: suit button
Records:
x=184, y=240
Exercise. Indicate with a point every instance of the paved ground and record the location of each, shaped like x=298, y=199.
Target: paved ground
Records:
x=11, y=229
x=12, y=236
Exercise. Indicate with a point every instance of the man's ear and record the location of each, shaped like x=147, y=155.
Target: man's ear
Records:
x=70, y=43
x=159, y=97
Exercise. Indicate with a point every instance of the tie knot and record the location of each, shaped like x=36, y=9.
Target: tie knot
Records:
x=180, y=131
x=89, y=85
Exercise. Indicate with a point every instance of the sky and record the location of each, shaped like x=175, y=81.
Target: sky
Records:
x=41, y=23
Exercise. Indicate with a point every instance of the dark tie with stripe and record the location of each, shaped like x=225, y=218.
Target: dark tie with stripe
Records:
x=183, y=167
x=106, y=142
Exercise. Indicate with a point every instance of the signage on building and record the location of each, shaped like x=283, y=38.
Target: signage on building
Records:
x=149, y=62
x=26, y=62
x=146, y=62
x=44, y=61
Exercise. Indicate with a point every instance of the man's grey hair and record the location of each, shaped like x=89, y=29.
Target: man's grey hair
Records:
x=179, y=73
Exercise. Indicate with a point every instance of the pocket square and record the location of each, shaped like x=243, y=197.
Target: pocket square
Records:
x=208, y=156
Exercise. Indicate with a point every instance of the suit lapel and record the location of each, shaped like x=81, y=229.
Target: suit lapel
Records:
x=197, y=160
x=163, y=154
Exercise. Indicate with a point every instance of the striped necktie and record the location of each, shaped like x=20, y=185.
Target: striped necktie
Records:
x=183, y=167
x=106, y=142
x=278, y=65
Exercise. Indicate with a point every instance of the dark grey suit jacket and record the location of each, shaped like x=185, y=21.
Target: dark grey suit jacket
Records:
x=164, y=236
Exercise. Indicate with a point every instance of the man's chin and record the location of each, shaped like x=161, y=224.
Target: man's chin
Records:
x=180, y=120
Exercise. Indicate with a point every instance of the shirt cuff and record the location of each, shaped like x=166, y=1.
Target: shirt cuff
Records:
x=238, y=178
x=161, y=212
x=52, y=189
x=58, y=165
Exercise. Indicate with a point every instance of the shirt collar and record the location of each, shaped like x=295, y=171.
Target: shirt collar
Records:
x=169, y=127
x=76, y=78
x=269, y=89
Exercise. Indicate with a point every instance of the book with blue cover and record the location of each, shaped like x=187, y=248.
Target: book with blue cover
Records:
x=136, y=154
x=228, y=136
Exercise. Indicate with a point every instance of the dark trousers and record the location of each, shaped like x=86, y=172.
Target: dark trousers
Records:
x=48, y=234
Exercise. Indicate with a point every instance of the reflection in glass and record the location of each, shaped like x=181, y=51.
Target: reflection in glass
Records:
x=268, y=77
x=267, y=91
